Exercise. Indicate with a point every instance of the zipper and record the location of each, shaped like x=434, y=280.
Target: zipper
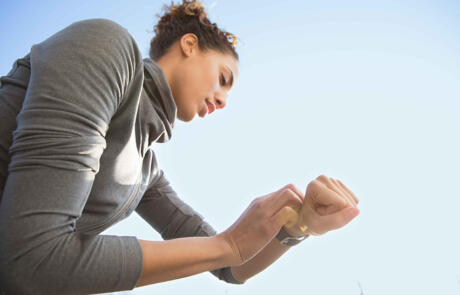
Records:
x=125, y=206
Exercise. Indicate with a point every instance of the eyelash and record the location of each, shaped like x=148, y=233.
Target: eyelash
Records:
x=223, y=80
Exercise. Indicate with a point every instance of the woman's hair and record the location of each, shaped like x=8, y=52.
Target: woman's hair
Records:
x=189, y=17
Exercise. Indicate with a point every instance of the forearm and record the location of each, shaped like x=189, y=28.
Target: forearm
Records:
x=182, y=257
x=261, y=261
x=266, y=256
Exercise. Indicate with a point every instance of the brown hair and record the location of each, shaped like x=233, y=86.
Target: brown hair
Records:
x=189, y=17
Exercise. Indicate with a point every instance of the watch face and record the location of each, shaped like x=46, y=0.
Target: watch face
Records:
x=289, y=241
x=285, y=241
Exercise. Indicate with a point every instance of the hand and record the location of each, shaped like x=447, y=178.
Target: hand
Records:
x=328, y=205
x=260, y=223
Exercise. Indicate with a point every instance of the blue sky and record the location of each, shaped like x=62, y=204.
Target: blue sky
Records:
x=364, y=91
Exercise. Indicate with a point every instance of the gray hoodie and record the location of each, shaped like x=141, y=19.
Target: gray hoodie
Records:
x=78, y=117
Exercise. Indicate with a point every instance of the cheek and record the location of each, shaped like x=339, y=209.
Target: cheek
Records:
x=201, y=83
x=208, y=82
x=206, y=74
x=189, y=92
x=195, y=82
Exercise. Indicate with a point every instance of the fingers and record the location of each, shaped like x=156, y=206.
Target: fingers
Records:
x=286, y=216
x=295, y=190
x=348, y=191
x=340, y=188
x=343, y=217
x=320, y=195
x=284, y=197
x=344, y=193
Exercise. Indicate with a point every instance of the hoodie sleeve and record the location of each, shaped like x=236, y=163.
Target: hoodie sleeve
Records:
x=77, y=81
x=173, y=218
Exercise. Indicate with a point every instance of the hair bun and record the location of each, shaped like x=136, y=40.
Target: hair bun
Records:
x=193, y=8
x=182, y=11
x=189, y=17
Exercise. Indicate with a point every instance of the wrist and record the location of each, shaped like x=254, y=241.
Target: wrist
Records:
x=289, y=240
x=297, y=231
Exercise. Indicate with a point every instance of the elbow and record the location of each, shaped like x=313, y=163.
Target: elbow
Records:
x=17, y=276
x=8, y=266
x=13, y=279
x=22, y=268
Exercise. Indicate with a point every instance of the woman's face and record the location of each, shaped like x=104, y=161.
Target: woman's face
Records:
x=199, y=79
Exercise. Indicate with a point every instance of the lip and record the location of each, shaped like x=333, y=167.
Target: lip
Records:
x=203, y=114
x=210, y=106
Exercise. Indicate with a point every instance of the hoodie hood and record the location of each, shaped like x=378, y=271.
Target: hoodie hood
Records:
x=157, y=108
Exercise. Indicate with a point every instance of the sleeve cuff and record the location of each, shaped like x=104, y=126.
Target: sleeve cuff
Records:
x=226, y=275
x=133, y=263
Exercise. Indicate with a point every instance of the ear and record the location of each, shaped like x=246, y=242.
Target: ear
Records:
x=189, y=44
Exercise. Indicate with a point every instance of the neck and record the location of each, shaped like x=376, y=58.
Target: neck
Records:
x=166, y=63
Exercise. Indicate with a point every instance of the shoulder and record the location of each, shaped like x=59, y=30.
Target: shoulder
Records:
x=92, y=58
x=96, y=42
x=101, y=29
x=102, y=25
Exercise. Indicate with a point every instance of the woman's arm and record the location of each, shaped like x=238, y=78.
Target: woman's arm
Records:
x=171, y=217
x=341, y=209
x=162, y=208
x=261, y=261
x=78, y=78
x=270, y=253
x=178, y=258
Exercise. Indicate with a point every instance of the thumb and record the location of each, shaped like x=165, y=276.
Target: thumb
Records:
x=287, y=216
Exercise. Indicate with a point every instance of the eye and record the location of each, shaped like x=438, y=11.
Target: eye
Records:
x=222, y=80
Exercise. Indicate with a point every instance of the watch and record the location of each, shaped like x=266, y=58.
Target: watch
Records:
x=286, y=239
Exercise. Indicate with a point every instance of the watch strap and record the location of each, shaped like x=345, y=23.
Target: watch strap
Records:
x=286, y=239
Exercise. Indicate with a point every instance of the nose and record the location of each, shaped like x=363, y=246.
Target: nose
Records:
x=220, y=101
x=220, y=104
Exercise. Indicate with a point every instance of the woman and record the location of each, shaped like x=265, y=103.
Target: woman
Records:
x=79, y=115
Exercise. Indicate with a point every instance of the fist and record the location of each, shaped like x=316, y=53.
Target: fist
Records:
x=328, y=205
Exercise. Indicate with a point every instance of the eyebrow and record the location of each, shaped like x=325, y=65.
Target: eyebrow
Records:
x=231, y=76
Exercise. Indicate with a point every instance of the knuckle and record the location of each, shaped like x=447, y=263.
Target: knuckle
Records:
x=322, y=177
x=285, y=191
x=257, y=200
x=286, y=187
x=314, y=183
x=255, y=203
x=290, y=186
x=292, y=196
x=287, y=194
x=258, y=203
x=297, y=201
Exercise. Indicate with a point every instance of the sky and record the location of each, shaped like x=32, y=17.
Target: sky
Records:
x=366, y=92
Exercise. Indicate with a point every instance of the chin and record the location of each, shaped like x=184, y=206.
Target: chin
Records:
x=186, y=117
